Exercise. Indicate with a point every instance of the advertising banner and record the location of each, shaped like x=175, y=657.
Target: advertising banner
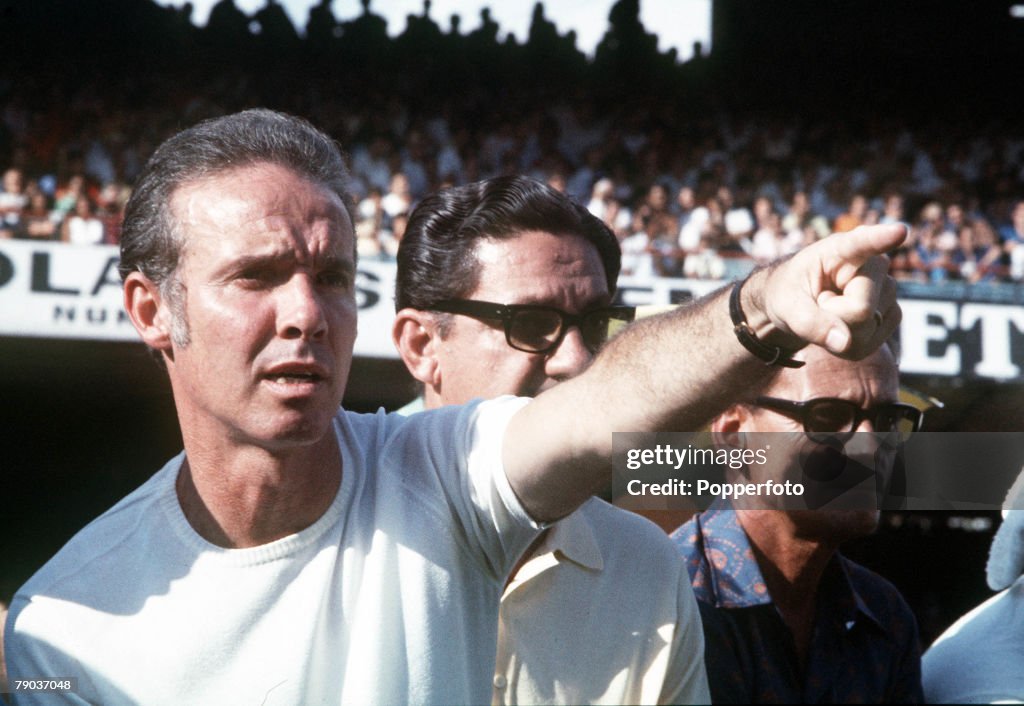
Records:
x=54, y=290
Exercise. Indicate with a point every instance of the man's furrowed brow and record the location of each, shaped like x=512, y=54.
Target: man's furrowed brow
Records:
x=247, y=260
x=339, y=263
x=599, y=301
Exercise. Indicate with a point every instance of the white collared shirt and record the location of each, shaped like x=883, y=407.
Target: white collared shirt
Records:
x=601, y=613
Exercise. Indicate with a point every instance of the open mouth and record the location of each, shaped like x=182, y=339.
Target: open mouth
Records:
x=294, y=378
x=297, y=374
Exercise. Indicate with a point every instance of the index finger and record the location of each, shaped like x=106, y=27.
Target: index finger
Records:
x=864, y=242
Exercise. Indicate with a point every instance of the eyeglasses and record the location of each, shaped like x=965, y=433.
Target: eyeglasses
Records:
x=535, y=328
x=830, y=415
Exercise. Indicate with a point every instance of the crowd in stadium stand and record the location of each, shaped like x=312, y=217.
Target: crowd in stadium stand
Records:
x=705, y=209
x=692, y=186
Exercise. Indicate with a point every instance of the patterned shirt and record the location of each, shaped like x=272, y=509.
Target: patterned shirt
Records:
x=864, y=648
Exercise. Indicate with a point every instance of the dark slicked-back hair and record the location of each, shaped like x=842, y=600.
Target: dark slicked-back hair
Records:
x=150, y=240
x=437, y=256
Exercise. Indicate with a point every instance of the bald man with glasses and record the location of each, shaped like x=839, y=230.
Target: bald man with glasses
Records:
x=787, y=618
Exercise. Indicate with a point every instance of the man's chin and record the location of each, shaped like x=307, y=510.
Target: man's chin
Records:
x=292, y=432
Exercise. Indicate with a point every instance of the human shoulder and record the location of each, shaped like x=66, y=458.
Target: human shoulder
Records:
x=976, y=659
x=372, y=434
x=626, y=532
x=86, y=554
x=439, y=471
x=416, y=417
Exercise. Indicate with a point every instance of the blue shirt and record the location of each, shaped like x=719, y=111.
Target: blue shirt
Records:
x=1009, y=234
x=864, y=648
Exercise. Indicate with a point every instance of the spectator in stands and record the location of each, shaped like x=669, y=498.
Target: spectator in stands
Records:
x=582, y=181
x=739, y=221
x=705, y=262
x=901, y=264
x=686, y=204
x=601, y=196
x=13, y=202
x=931, y=215
x=800, y=215
x=787, y=618
x=1012, y=235
x=82, y=227
x=978, y=256
x=67, y=195
x=391, y=240
x=667, y=256
x=39, y=221
x=892, y=210
x=932, y=257
x=450, y=155
x=830, y=194
x=655, y=235
x=369, y=222
x=771, y=242
x=764, y=214
x=371, y=163
x=702, y=221
x=398, y=199
x=903, y=260
x=606, y=206
x=416, y=165
x=853, y=216
x=591, y=558
x=110, y=210
x=955, y=218
x=656, y=209
x=637, y=253
x=99, y=132
x=873, y=216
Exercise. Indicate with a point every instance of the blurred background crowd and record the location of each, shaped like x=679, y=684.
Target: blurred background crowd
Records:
x=701, y=169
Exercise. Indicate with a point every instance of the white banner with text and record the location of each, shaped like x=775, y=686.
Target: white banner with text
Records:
x=54, y=290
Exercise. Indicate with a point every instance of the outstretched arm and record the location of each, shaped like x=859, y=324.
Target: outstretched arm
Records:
x=677, y=370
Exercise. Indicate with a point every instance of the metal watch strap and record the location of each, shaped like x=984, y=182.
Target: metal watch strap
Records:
x=771, y=355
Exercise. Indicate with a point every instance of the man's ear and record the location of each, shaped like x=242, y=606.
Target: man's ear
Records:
x=727, y=428
x=148, y=311
x=416, y=336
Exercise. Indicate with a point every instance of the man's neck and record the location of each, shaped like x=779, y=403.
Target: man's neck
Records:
x=248, y=496
x=792, y=567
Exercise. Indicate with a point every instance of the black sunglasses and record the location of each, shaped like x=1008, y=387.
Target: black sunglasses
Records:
x=534, y=328
x=830, y=415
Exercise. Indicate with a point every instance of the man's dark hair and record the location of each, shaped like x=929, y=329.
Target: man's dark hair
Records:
x=151, y=241
x=437, y=256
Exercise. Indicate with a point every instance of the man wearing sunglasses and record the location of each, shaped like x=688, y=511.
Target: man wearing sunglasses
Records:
x=787, y=619
x=586, y=617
